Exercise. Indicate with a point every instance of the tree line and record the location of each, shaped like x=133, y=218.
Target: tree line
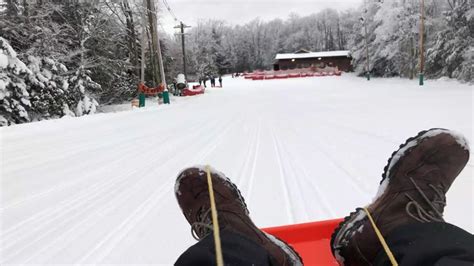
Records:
x=66, y=57
x=393, y=34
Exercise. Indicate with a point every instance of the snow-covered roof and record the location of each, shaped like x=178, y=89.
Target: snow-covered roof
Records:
x=312, y=55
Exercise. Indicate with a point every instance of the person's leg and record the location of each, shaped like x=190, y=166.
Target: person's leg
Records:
x=236, y=250
x=434, y=243
x=412, y=191
x=240, y=237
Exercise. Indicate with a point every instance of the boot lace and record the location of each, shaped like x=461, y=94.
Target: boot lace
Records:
x=203, y=224
x=437, y=204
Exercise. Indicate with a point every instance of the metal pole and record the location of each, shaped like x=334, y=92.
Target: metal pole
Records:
x=422, y=39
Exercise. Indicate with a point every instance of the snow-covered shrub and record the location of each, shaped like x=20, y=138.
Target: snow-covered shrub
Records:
x=49, y=87
x=122, y=86
x=80, y=86
x=14, y=96
x=41, y=88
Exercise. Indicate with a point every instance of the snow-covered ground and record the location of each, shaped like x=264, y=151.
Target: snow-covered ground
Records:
x=99, y=189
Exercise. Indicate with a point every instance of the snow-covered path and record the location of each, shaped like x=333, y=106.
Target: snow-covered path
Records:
x=99, y=189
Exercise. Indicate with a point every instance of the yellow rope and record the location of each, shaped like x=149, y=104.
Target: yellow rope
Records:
x=215, y=223
x=382, y=240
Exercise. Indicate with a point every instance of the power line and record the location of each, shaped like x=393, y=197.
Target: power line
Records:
x=165, y=2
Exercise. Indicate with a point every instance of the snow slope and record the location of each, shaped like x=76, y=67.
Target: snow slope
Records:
x=99, y=189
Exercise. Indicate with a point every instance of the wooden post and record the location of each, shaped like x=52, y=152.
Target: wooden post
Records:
x=181, y=26
x=154, y=41
x=160, y=57
x=141, y=96
x=143, y=44
x=367, y=67
x=412, y=57
x=367, y=51
x=422, y=39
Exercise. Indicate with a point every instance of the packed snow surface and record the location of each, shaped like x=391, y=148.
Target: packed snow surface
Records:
x=99, y=189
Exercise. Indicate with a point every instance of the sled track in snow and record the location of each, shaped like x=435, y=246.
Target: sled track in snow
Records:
x=103, y=248
x=256, y=148
x=116, y=188
x=104, y=165
x=318, y=147
x=243, y=175
x=291, y=174
x=286, y=194
x=302, y=173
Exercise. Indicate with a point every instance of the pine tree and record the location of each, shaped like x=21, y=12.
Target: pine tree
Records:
x=452, y=54
x=80, y=87
x=49, y=88
x=14, y=96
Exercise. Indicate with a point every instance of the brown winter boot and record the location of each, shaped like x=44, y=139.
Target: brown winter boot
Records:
x=412, y=190
x=192, y=193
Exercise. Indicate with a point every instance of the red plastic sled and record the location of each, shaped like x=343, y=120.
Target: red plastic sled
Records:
x=197, y=89
x=310, y=240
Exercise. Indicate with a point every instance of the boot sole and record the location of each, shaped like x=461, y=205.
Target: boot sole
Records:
x=289, y=250
x=351, y=223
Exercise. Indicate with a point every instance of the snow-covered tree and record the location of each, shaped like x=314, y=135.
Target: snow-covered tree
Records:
x=41, y=88
x=393, y=33
x=81, y=85
x=452, y=53
x=14, y=96
x=49, y=88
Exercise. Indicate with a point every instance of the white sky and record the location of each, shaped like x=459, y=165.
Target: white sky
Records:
x=242, y=11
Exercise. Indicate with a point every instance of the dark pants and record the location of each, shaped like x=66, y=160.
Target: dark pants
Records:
x=236, y=249
x=421, y=244
x=438, y=244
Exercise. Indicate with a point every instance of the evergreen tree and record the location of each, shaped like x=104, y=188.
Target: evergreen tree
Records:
x=81, y=86
x=48, y=86
x=452, y=54
x=14, y=96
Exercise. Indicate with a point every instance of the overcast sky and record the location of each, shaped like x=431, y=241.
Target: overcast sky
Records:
x=242, y=11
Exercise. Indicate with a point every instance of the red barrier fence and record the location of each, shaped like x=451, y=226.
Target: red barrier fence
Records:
x=150, y=91
x=292, y=73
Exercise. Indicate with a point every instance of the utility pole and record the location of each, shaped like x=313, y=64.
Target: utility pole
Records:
x=183, y=47
x=141, y=95
x=367, y=51
x=166, y=97
x=422, y=39
x=367, y=65
x=143, y=44
x=412, y=57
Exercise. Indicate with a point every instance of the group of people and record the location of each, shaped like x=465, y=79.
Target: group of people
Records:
x=236, y=75
x=212, y=79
